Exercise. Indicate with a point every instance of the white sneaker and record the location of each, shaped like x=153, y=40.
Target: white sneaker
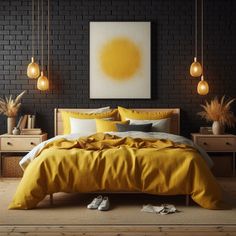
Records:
x=105, y=204
x=95, y=203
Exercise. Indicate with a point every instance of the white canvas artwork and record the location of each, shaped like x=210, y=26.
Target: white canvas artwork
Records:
x=120, y=60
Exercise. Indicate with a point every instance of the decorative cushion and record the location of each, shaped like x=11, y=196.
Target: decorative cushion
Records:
x=128, y=127
x=126, y=114
x=108, y=126
x=66, y=115
x=162, y=125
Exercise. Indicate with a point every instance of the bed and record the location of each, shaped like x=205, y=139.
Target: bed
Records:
x=155, y=163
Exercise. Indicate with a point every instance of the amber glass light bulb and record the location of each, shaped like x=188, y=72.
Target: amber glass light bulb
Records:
x=195, y=68
x=33, y=69
x=42, y=83
x=202, y=87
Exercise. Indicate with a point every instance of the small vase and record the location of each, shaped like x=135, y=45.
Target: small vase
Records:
x=16, y=131
x=217, y=128
x=11, y=123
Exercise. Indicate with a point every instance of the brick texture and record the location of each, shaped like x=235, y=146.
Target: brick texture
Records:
x=172, y=54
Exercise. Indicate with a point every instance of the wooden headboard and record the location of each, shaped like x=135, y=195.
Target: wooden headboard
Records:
x=175, y=119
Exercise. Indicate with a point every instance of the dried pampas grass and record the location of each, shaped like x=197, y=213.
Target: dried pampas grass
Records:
x=219, y=110
x=9, y=106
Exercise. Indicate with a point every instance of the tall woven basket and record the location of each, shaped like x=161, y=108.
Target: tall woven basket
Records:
x=11, y=167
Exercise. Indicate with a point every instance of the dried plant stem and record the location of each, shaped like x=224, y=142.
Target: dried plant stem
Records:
x=219, y=110
x=9, y=106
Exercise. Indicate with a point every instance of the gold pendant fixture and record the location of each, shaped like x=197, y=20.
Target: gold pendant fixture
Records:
x=196, y=68
x=202, y=87
x=43, y=82
x=33, y=68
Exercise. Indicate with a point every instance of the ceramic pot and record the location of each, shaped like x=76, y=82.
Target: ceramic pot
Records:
x=11, y=123
x=16, y=131
x=217, y=128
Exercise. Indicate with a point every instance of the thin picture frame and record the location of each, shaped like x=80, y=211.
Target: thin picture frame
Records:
x=132, y=93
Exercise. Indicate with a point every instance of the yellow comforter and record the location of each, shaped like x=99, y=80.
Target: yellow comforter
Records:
x=103, y=162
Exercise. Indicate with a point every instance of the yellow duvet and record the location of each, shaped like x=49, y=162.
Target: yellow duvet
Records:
x=103, y=162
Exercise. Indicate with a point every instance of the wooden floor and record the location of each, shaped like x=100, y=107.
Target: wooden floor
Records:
x=171, y=230
x=127, y=229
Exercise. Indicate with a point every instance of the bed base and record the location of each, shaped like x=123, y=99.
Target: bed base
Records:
x=187, y=198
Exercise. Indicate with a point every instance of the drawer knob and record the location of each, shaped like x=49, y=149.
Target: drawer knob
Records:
x=32, y=143
x=8, y=143
x=204, y=143
x=227, y=143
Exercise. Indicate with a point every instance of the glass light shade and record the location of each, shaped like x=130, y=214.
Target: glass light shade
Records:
x=42, y=83
x=202, y=87
x=33, y=71
x=195, y=68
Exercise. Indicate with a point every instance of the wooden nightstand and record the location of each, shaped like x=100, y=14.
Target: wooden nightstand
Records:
x=18, y=144
x=217, y=144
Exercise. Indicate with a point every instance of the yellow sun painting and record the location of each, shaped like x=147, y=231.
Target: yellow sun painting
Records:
x=120, y=58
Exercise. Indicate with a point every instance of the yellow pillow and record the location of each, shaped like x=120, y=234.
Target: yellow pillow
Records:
x=143, y=115
x=66, y=115
x=107, y=125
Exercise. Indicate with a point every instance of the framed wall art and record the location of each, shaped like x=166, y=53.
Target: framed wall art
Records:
x=120, y=60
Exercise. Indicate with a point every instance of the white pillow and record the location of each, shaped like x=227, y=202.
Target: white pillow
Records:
x=83, y=125
x=99, y=110
x=162, y=125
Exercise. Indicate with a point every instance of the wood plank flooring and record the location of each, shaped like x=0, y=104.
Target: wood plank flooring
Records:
x=129, y=229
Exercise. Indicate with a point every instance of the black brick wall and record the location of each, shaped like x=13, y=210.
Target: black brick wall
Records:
x=172, y=53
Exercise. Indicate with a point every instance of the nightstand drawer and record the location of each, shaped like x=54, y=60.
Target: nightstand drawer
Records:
x=19, y=144
x=217, y=144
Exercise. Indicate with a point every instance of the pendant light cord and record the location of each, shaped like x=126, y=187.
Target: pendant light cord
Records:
x=32, y=28
x=42, y=33
x=38, y=24
x=196, y=28
x=48, y=36
x=202, y=37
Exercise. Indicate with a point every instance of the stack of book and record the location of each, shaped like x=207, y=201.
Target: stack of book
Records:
x=31, y=131
x=26, y=125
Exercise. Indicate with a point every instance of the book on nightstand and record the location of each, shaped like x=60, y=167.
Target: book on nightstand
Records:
x=30, y=121
x=22, y=122
x=31, y=131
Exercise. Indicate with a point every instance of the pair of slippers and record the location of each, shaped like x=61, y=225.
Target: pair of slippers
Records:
x=164, y=209
x=100, y=203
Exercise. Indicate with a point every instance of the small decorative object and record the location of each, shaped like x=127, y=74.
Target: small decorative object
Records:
x=11, y=123
x=16, y=131
x=205, y=130
x=219, y=112
x=120, y=60
x=9, y=107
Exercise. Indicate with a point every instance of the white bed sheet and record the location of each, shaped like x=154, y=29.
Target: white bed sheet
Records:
x=135, y=134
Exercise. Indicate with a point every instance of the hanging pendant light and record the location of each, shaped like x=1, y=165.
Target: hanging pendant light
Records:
x=43, y=82
x=202, y=87
x=33, y=67
x=195, y=68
